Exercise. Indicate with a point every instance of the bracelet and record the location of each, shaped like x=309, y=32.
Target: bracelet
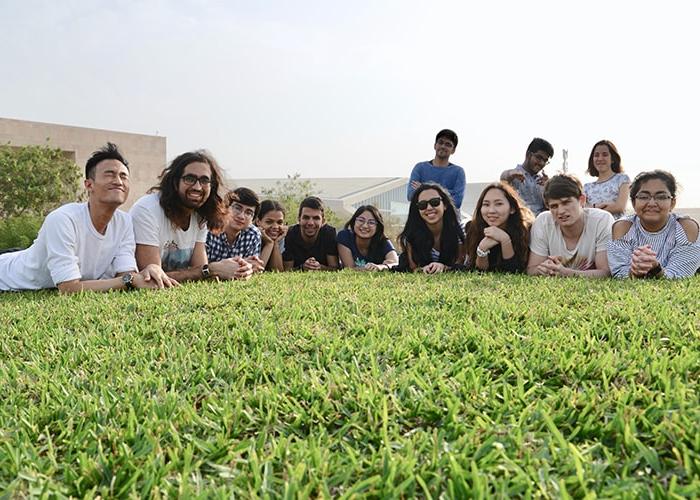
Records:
x=482, y=253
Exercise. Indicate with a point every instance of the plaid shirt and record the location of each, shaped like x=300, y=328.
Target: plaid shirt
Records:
x=247, y=244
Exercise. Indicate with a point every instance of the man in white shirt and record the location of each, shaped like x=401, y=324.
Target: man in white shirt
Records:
x=85, y=246
x=170, y=223
x=568, y=239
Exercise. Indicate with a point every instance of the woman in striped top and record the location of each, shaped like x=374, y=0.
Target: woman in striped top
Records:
x=654, y=242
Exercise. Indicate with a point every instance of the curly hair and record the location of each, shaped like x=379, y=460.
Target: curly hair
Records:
x=418, y=237
x=517, y=226
x=214, y=212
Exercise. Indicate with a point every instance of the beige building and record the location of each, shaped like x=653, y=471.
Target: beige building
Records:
x=145, y=153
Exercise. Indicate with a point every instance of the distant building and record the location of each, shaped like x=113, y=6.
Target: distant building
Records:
x=145, y=153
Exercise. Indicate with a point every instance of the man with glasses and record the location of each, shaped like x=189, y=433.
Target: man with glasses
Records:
x=240, y=237
x=528, y=179
x=86, y=246
x=440, y=170
x=171, y=222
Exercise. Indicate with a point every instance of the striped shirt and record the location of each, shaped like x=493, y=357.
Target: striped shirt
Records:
x=248, y=243
x=679, y=257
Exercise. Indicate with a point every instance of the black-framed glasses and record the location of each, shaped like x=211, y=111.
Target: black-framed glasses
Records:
x=658, y=197
x=433, y=202
x=191, y=180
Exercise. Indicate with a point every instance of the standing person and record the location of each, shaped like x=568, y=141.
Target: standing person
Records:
x=499, y=232
x=528, y=178
x=273, y=230
x=240, y=237
x=612, y=189
x=310, y=244
x=439, y=170
x=655, y=242
x=569, y=240
x=432, y=239
x=362, y=245
x=86, y=246
x=170, y=223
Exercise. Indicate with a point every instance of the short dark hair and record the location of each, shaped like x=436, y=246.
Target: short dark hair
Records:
x=313, y=202
x=447, y=134
x=244, y=196
x=110, y=151
x=562, y=186
x=664, y=176
x=539, y=144
x=270, y=206
x=615, y=160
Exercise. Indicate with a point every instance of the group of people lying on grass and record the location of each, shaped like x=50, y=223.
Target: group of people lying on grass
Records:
x=185, y=230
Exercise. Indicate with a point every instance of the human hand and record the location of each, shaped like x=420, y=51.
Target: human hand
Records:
x=552, y=267
x=265, y=239
x=496, y=234
x=281, y=234
x=256, y=263
x=371, y=266
x=415, y=184
x=434, y=268
x=513, y=175
x=643, y=261
x=231, y=269
x=153, y=276
x=311, y=264
x=542, y=179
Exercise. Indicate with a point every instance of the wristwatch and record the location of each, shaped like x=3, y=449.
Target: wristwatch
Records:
x=128, y=280
x=482, y=253
x=206, y=273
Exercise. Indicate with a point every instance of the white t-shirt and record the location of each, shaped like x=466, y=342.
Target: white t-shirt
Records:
x=152, y=227
x=69, y=247
x=546, y=238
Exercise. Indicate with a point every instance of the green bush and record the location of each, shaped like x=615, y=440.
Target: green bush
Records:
x=19, y=232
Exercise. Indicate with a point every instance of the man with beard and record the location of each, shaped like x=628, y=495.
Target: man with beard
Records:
x=528, y=179
x=170, y=223
x=310, y=245
x=440, y=170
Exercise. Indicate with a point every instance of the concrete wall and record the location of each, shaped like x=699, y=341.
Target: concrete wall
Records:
x=145, y=153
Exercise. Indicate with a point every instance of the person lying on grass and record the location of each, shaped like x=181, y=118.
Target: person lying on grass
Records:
x=310, y=244
x=86, y=246
x=170, y=223
x=498, y=234
x=432, y=239
x=273, y=230
x=568, y=239
x=655, y=242
x=362, y=245
x=240, y=237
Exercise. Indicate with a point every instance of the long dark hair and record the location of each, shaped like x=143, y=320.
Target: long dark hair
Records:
x=417, y=234
x=378, y=240
x=214, y=212
x=517, y=225
x=615, y=159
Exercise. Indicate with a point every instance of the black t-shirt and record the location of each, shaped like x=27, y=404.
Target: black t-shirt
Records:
x=296, y=250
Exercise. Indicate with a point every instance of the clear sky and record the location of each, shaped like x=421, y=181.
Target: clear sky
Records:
x=360, y=88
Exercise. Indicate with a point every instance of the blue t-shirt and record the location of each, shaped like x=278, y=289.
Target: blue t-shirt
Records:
x=347, y=238
x=450, y=177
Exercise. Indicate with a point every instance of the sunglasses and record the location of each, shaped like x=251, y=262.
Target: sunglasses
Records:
x=433, y=202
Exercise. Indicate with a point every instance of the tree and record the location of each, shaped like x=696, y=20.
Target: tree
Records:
x=35, y=180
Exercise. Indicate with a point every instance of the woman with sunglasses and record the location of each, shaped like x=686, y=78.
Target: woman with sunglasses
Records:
x=499, y=232
x=432, y=239
x=655, y=242
x=612, y=188
x=362, y=244
x=273, y=230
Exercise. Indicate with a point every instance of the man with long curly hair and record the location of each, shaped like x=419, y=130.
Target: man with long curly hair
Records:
x=171, y=222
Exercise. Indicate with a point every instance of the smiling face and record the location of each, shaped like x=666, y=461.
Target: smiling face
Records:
x=653, y=213
x=602, y=160
x=431, y=215
x=567, y=211
x=310, y=222
x=495, y=208
x=272, y=223
x=536, y=161
x=195, y=195
x=365, y=226
x=110, y=184
x=444, y=148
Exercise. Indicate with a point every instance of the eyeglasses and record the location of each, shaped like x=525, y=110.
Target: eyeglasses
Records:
x=361, y=221
x=240, y=209
x=191, y=180
x=433, y=202
x=541, y=159
x=445, y=143
x=658, y=197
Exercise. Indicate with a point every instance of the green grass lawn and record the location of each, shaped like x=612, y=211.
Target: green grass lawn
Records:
x=354, y=384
